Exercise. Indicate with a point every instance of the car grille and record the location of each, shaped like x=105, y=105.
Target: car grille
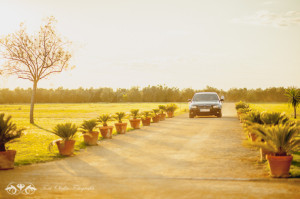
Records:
x=205, y=107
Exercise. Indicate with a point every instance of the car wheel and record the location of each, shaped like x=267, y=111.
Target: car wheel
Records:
x=219, y=115
x=191, y=115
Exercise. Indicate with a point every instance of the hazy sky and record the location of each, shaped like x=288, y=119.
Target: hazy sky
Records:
x=186, y=43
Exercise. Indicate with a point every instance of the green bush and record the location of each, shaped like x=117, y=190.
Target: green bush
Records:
x=253, y=117
x=65, y=131
x=146, y=114
x=171, y=107
x=243, y=110
x=88, y=125
x=104, y=118
x=155, y=111
x=273, y=118
x=241, y=104
x=8, y=131
x=134, y=113
x=280, y=139
x=119, y=116
x=162, y=108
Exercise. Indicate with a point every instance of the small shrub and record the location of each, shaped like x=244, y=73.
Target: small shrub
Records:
x=65, y=131
x=104, y=118
x=171, y=107
x=155, y=111
x=280, y=139
x=252, y=117
x=88, y=125
x=162, y=108
x=273, y=118
x=146, y=114
x=119, y=116
x=243, y=110
x=241, y=104
x=134, y=113
x=8, y=131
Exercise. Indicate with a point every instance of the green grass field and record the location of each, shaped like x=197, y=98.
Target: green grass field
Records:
x=288, y=109
x=32, y=147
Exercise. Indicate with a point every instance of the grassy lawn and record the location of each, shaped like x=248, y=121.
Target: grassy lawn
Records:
x=288, y=109
x=295, y=167
x=32, y=147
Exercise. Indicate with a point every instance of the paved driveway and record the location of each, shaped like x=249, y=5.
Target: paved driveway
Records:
x=176, y=158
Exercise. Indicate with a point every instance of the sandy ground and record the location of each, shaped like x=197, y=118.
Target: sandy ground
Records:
x=176, y=158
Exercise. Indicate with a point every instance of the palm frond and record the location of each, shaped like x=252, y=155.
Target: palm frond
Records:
x=282, y=138
x=65, y=131
x=104, y=118
x=134, y=113
x=88, y=125
x=8, y=131
x=119, y=116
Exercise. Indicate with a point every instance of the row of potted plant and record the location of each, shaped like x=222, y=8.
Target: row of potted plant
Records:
x=67, y=131
x=274, y=134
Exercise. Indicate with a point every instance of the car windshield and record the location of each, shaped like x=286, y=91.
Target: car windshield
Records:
x=205, y=97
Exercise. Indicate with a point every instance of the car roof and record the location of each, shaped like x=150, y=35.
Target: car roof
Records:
x=206, y=93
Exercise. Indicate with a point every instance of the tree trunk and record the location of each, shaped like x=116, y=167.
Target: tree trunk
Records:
x=2, y=147
x=32, y=102
x=295, y=114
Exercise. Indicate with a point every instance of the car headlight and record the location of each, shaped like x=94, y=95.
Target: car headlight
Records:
x=193, y=106
x=216, y=106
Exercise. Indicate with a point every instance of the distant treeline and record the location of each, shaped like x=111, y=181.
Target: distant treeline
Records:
x=148, y=94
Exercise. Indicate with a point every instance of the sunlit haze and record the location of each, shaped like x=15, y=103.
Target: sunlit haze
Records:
x=185, y=44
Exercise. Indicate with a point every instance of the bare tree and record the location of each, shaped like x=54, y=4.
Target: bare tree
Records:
x=35, y=57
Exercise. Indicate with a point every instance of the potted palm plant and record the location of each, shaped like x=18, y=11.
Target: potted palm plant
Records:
x=66, y=132
x=273, y=118
x=106, y=131
x=281, y=141
x=146, y=118
x=8, y=133
x=155, y=117
x=171, y=108
x=252, y=117
x=242, y=112
x=135, y=121
x=120, y=126
x=89, y=135
x=162, y=110
x=241, y=104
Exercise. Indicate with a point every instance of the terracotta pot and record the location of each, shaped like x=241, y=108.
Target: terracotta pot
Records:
x=91, y=138
x=239, y=115
x=106, y=131
x=170, y=114
x=135, y=123
x=147, y=121
x=280, y=165
x=155, y=119
x=264, y=153
x=7, y=159
x=162, y=116
x=121, y=127
x=65, y=147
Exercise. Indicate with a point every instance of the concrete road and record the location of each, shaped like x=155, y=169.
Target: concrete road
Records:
x=176, y=158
